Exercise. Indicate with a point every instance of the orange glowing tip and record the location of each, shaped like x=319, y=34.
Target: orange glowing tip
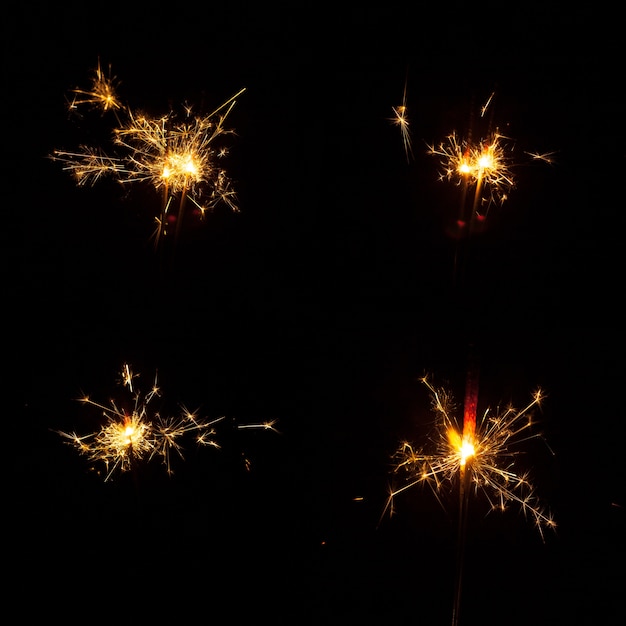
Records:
x=470, y=404
x=128, y=431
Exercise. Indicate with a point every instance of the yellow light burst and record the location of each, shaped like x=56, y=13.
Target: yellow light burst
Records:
x=178, y=156
x=177, y=153
x=487, y=455
x=486, y=165
x=132, y=433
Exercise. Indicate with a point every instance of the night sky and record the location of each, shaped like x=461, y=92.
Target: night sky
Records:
x=321, y=305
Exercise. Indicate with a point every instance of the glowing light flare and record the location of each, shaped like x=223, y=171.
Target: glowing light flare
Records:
x=489, y=457
x=463, y=445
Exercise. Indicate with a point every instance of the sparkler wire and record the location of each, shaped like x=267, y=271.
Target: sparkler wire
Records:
x=469, y=428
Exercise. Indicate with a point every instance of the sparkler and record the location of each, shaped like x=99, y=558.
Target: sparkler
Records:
x=177, y=154
x=483, y=170
x=485, y=451
x=484, y=166
x=132, y=432
x=479, y=456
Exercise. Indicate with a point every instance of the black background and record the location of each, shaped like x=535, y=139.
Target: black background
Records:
x=320, y=304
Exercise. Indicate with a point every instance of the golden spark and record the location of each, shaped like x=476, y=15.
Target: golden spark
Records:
x=102, y=95
x=546, y=157
x=485, y=106
x=401, y=120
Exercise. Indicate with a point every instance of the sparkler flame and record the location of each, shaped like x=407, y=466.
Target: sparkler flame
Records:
x=485, y=165
x=134, y=434
x=486, y=450
x=177, y=154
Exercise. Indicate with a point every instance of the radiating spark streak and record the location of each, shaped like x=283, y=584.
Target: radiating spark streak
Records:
x=89, y=164
x=470, y=408
x=401, y=120
x=485, y=106
x=132, y=432
x=492, y=469
x=271, y=425
x=546, y=157
x=128, y=376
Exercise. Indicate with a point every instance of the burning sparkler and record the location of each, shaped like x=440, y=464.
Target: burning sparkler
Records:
x=132, y=432
x=178, y=154
x=485, y=451
x=484, y=167
x=478, y=457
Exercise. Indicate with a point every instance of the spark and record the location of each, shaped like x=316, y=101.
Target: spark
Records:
x=132, y=432
x=178, y=154
x=546, y=157
x=485, y=452
x=485, y=106
x=102, y=95
x=88, y=165
x=268, y=425
x=401, y=120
